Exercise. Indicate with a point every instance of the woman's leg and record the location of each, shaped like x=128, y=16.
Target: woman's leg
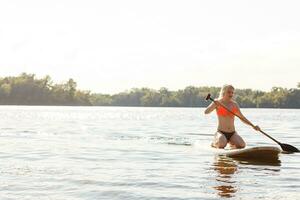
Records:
x=220, y=141
x=237, y=141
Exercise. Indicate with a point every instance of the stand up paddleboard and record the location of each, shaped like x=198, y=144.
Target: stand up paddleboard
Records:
x=253, y=153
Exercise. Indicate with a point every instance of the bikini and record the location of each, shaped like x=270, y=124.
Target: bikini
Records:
x=228, y=135
x=224, y=113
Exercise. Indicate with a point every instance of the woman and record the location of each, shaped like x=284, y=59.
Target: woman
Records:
x=226, y=131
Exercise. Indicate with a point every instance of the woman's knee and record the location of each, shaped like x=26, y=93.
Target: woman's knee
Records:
x=241, y=142
x=220, y=145
x=221, y=142
x=238, y=142
x=241, y=145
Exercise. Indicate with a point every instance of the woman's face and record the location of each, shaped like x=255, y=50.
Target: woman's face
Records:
x=229, y=93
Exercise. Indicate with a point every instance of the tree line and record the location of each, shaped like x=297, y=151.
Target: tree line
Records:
x=27, y=89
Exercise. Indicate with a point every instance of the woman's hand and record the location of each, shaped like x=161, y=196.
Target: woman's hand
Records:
x=257, y=128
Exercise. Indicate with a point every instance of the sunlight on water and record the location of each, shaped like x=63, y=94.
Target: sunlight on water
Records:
x=139, y=153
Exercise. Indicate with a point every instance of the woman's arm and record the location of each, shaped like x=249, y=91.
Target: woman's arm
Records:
x=210, y=108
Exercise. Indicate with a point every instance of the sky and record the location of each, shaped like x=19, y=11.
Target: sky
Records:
x=111, y=46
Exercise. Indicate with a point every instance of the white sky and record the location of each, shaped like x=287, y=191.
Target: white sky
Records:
x=113, y=45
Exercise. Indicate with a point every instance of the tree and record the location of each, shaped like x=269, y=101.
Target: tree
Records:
x=151, y=98
x=70, y=87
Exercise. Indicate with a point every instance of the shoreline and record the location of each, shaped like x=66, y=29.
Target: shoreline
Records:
x=90, y=106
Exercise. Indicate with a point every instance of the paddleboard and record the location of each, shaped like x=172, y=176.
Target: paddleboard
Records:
x=264, y=153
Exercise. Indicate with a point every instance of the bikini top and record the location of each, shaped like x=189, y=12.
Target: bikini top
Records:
x=223, y=112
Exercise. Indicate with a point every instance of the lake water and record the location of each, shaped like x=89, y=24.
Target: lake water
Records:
x=62, y=153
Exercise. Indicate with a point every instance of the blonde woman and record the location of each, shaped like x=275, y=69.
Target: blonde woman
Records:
x=226, y=132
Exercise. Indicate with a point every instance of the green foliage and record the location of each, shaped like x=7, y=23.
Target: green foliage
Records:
x=101, y=100
x=26, y=89
x=293, y=98
x=195, y=97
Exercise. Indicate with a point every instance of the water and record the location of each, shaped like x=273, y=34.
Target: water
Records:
x=63, y=153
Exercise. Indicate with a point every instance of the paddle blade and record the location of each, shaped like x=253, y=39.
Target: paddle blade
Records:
x=288, y=148
x=207, y=97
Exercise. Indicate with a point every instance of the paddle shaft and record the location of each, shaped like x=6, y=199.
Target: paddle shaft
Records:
x=246, y=122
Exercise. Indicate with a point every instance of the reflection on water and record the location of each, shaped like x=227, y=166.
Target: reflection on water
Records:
x=226, y=169
x=274, y=162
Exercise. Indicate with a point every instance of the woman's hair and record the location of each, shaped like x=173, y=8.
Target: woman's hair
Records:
x=224, y=89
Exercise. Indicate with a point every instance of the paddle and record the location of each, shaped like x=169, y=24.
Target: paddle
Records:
x=285, y=147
